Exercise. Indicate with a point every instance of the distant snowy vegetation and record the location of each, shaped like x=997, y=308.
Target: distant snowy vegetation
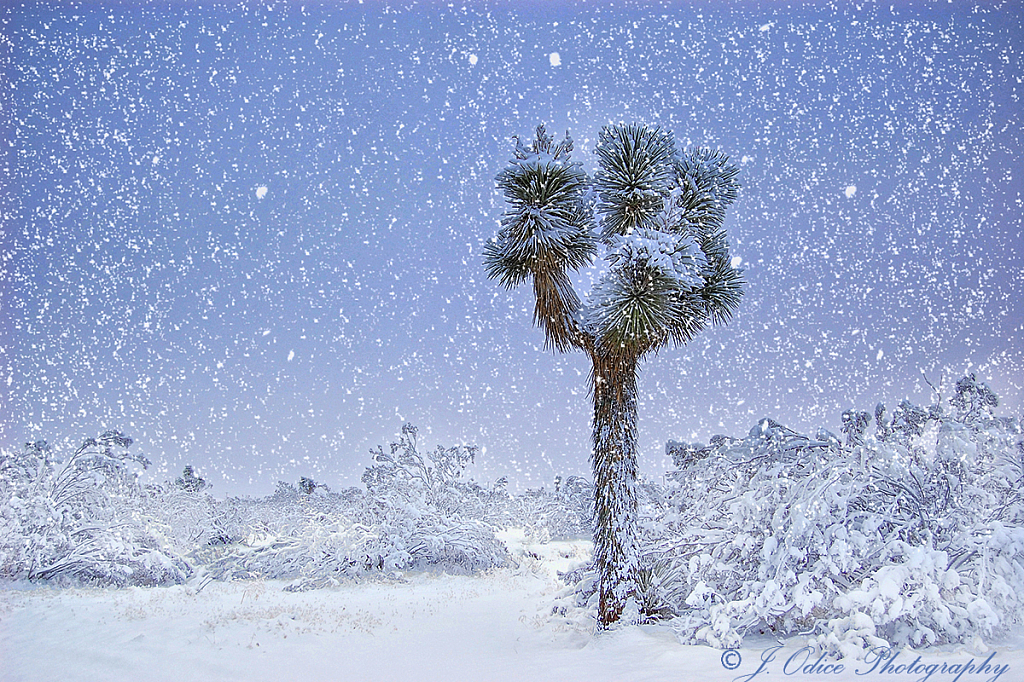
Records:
x=906, y=529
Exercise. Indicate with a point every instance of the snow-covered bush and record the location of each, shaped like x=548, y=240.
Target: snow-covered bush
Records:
x=565, y=513
x=332, y=546
x=433, y=481
x=915, y=536
x=417, y=513
x=184, y=519
x=437, y=482
x=90, y=520
x=74, y=521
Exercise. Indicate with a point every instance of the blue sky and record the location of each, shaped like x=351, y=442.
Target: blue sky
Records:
x=249, y=235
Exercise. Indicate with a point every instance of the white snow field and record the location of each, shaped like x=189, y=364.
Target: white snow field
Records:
x=423, y=627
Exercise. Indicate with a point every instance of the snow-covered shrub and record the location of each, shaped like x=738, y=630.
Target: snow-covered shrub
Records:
x=308, y=486
x=437, y=482
x=913, y=537
x=75, y=521
x=973, y=400
x=183, y=519
x=417, y=513
x=372, y=535
x=433, y=480
x=333, y=546
x=565, y=513
x=855, y=425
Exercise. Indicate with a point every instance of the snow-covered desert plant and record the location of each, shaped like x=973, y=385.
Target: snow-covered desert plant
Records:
x=417, y=513
x=564, y=513
x=433, y=480
x=915, y=536
x=72, y=520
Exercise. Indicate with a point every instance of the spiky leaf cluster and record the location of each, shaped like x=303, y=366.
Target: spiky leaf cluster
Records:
x=545, y=232
x=637, y=170
x=648, y=293
x=707, y=186
x=547, y=224
x=706, y=183
x=645, y=299
x=634, y=309
x=661, y=214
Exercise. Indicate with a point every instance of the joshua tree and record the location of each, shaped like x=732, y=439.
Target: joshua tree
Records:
x=668, y=275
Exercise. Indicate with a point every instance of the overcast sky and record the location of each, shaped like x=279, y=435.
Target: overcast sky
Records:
x=249, y=236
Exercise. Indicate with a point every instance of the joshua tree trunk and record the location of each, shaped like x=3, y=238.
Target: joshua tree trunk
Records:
x=616, y=550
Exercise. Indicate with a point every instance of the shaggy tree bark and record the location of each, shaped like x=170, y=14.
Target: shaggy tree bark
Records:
x=614, y=460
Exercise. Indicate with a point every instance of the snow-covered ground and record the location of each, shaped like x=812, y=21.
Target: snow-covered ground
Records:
x=490, y=627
